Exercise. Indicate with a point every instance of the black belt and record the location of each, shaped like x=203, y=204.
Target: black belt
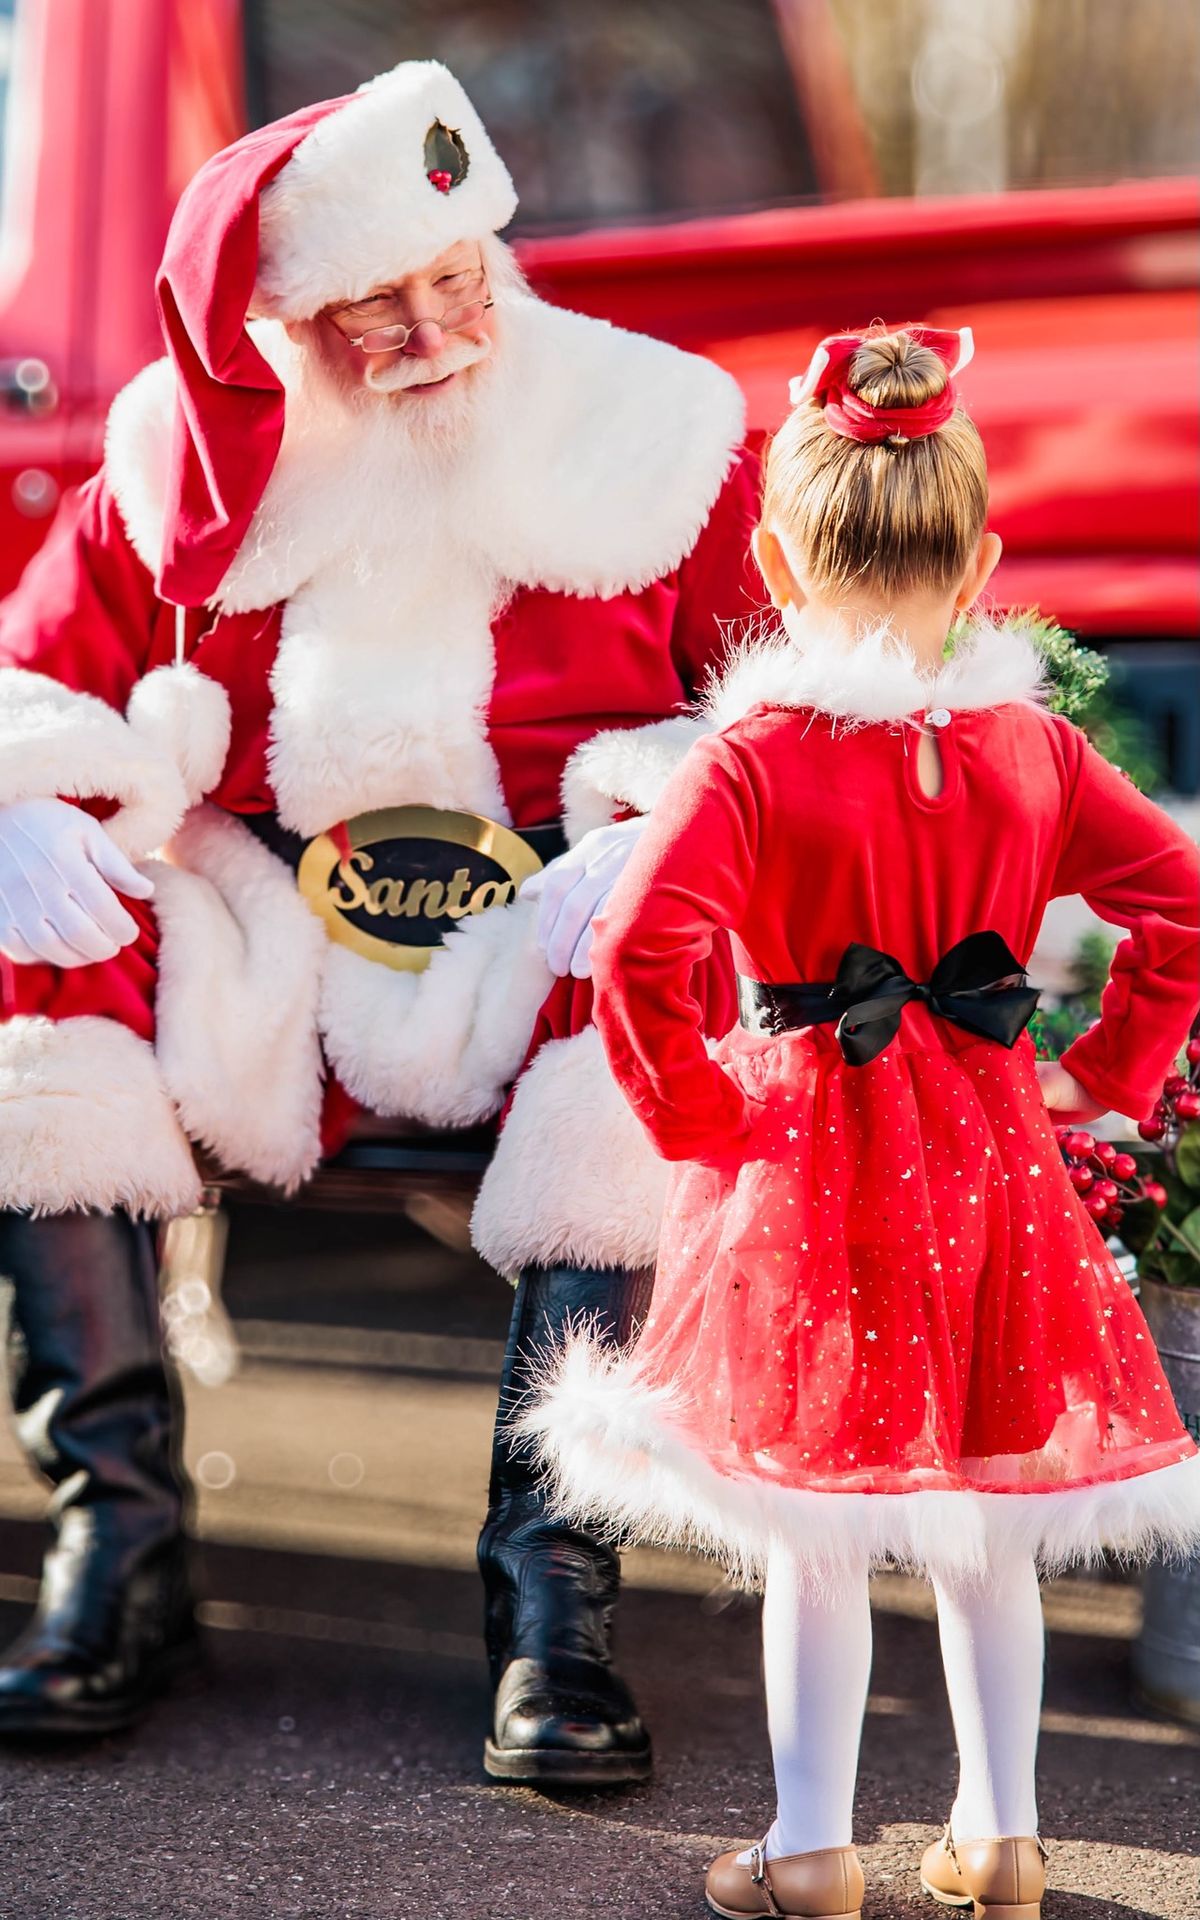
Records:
x=547, y=840
x=978, y=984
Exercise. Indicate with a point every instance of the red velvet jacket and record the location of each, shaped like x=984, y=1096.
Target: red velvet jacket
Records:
x=800, y=835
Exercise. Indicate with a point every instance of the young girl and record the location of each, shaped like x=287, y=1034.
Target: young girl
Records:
x=884, y=1327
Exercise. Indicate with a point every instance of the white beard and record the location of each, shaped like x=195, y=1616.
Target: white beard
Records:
x=385, y=665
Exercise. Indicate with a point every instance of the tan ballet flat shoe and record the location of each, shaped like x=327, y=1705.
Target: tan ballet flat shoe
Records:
x=998, y=1879
x=827, y=1885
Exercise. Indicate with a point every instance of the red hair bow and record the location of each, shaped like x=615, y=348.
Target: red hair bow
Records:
x=828, y=376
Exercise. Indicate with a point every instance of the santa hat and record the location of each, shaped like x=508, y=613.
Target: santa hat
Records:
x=322, y=206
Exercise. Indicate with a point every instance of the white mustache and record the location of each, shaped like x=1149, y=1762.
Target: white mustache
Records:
x=455, y=357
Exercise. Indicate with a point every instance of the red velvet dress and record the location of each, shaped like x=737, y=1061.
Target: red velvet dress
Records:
x=877, y=1279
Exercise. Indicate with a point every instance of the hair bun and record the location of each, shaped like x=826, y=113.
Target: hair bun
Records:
x=894, y=370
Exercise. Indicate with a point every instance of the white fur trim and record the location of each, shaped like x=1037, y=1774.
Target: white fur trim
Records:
x=613, y=1450
x=443, y=1045
x=85, y=1121
x=184, y=715
x=354, y=207
x=55, y=742
x=877, y=678
x=137, y=456
x=366, y=716
x=238, y=979
x=573, y=1177
x=623, y=767
x=601, y=468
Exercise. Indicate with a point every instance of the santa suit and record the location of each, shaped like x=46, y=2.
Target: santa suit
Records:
x=518, y=660
x=294, y=651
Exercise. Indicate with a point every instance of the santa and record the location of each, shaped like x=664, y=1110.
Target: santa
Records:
x=381, y=610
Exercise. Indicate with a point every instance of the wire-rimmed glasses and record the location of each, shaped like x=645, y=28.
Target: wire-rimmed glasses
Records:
x=390, y=339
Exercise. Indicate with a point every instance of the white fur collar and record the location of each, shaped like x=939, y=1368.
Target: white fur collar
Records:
x=876, y=679
x=595, y=472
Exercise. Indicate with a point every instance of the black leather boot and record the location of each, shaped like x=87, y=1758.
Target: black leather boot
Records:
x=95, y=1410
x=562, y=1716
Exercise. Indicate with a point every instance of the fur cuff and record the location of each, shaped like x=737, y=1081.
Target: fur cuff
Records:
x=56, y=742
x=623, y=767
x=573, y=1177
x=86, y=1122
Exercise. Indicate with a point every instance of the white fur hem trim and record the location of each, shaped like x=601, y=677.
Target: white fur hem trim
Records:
x=86, y=1122
x=877, y=677
x=573, y=1177
x=55, y=742
x=239, y=970
x=623, y=767
x=614, y=1453
x=354, y=205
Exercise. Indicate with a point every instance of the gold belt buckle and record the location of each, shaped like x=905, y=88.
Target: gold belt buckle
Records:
x=389, y=884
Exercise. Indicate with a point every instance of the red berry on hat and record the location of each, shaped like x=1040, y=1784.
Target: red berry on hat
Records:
x=1187, y=1107
x=1124, y=1166
x=440, y=179
x=1152, y=1129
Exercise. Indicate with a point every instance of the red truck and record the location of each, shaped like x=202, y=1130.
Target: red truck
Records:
x=1085, y=304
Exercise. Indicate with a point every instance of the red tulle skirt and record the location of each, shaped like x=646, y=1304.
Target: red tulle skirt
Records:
x=898, y=1288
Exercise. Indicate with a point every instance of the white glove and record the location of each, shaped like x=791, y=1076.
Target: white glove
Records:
x=572, y=890
x=58, y=869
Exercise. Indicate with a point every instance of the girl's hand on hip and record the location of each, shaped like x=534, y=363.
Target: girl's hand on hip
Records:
x=1064, y=1096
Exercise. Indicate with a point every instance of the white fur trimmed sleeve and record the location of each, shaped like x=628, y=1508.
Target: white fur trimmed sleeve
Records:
x=624, y=767
x=58, y=743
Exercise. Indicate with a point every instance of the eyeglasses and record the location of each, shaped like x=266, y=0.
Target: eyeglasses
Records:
x=390, y=339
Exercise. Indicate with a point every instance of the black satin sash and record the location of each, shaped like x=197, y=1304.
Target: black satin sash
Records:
x=978, y=984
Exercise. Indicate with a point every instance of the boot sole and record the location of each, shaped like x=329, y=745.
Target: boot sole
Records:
x=960, y=1900
x=181, y=1670
x=727, y=1913
x=557, y=1766
x=985, y=1909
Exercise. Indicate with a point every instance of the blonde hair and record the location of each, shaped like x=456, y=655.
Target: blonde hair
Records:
x=896, y=516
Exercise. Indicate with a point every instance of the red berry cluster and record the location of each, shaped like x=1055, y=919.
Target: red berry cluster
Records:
x=1179, y=1100
x=1106, y=1178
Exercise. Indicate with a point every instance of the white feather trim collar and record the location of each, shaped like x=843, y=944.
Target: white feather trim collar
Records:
x=877, y=678
x=595, y=470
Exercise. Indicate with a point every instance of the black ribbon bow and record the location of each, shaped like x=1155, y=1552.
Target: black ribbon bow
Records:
x=978, y=984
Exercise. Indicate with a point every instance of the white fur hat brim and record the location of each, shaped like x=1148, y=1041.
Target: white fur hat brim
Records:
x=355, y=205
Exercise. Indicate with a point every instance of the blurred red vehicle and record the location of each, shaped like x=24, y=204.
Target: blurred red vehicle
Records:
x=1085, y=304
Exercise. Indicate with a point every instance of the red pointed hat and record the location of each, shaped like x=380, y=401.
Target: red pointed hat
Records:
x=321, y=206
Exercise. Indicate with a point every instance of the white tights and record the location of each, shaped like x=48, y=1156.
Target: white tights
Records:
x=817, y=1654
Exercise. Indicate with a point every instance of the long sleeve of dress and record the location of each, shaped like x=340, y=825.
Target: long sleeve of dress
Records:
x=690, y=875
x=1137, y=869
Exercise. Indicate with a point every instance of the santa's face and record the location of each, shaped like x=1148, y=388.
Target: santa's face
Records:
x=418, y=338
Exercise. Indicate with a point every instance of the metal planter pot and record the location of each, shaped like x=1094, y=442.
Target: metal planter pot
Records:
x=1166, y=1656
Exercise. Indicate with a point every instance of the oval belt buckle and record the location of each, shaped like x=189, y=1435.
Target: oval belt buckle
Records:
x=401, y=877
